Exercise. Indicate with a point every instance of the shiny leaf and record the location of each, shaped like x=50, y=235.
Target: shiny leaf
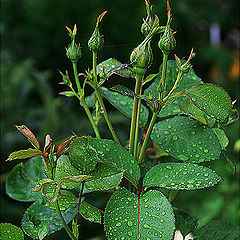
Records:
x=23, y=154
x=90, y=212
x=148, y=217
x=9, y=231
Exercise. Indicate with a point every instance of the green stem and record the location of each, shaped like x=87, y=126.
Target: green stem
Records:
x=134, y=114
x=150, y=128
x=164, y=70
x=76, y=76
x=70, y=233
x=179, y=76
x=82, y=100
x=137, y=125
x=100, y=100
x=95, y=128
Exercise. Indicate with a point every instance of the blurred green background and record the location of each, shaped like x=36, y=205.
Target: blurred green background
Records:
x=34, y=38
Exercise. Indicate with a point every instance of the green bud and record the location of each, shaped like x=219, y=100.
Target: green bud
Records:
x=73, y=51
x=142, y=56
x=96, y=41
x=148, y=21
x=167, y=42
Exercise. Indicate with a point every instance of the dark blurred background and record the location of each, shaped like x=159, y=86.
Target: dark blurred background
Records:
x=34, y=38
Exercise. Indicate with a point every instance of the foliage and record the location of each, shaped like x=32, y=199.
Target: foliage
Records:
x=180, y=116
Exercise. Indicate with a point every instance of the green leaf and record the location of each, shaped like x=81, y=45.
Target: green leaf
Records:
x=90, y=212
x=148, y=217
x=180, y=176
x=186, y=139
x=105, y=176
x=82, y=156
x=91, y=100
x=9, y=231
x=68, y=176
x=29, y=135
x=113, y=66
x=64, y=200
x=23, y=154
x=185, y=222
x=211, y=99
x=111, y=152
x=124, y=104
x=24, y=177
x=36, y=218
x=194, y=112
x=68, y=93
x=150, y=78
x=188, y=80
x=222, y=138
x=219, y=230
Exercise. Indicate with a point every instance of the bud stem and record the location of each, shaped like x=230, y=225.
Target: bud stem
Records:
x=76, y=76
x=164, y=70
x=179, y=77
x=135, y=118
x=149, y=130
x=82, y=100
x=100, y=100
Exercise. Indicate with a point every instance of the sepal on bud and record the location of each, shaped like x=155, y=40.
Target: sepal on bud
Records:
x=167, y=42
x=96, y=41
x=187, y=65
x=73, y=51
x=141, y=56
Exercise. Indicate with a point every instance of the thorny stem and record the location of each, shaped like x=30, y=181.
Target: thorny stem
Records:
x=79, y=204
x=100, y=100
x=83, y=102
x=134, y=123
x=150, y=128
x=164, y=70
x=70, y=233
x=179, y=76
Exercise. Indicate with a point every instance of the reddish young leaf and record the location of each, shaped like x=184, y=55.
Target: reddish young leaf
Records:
x=23, y=154
x=29, y=135
x=62, y=147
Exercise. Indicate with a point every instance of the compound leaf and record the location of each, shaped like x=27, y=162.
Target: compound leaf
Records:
x=219, y=229
x=105, y=176
x=68, y=176
x=111, y=152
x=40, y=219
x=23, y=177
x=211, y=99
x=124, y=104
x=180, y=176
x=149, y=216
x=81, y=155
x=222, y=138
x=23, y=154
x=9, y=231
x=186, y=139
x=185, y=222
x=90, y=212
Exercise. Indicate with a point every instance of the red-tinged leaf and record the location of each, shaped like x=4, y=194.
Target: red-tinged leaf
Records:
x=100, y=17
x=48, y=141
x=73, y=182
x=62, y=147
x=29, y=135
x=23, y=154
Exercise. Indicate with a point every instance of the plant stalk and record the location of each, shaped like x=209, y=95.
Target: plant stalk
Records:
x=137, y=125
x=82, y=100
x=150, y=128
x=163, y=78
x=70, y=233
x=179, y=77
x=134, y=122
x=100, y=100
